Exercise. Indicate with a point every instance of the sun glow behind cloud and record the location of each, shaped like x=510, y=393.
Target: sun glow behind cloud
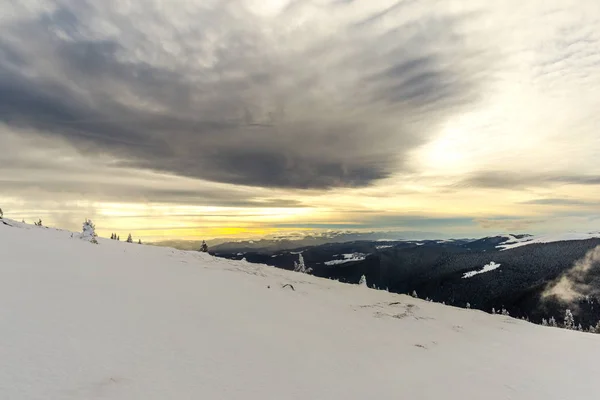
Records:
x=250, y=118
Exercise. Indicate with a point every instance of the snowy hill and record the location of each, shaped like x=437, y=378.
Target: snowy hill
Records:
x=126, y=321
x=515, y=242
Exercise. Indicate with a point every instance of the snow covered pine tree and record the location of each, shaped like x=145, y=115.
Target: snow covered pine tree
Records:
x=363, y=281
x=89, y=232
x=569, y=320
x=300, y=266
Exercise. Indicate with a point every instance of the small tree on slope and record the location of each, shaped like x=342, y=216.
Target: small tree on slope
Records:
x=363, y=281
x=569, y=320
x=129, y=239
x=89, y=232
x=1, y=214
x=300, y=266
x=204, y=247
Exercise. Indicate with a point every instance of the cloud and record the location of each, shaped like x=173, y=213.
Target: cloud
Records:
x=511, y=180
x=560, y=202
x=36, y=167
x=219, y=92
x=387, y=221
x=583, y=279
x=507, y=224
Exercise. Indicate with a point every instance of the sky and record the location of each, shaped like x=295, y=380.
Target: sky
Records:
x=196, y=119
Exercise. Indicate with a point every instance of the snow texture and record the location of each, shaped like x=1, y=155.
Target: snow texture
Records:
x=347, y=258
x=144, y=322
x=487, y=268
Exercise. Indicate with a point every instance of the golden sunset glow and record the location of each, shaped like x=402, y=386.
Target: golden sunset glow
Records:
x=273, y=119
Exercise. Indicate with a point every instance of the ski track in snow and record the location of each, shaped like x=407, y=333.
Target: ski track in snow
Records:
x=127, y=321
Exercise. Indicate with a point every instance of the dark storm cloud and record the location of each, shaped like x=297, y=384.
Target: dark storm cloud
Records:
x=509, y=180
x=126, y=192
x=232, y=103
x=38, y=167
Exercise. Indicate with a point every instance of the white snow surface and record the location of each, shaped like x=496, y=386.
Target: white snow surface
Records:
x=548, y=238
x=347, y=258
x=124, y=321
x=487, y=268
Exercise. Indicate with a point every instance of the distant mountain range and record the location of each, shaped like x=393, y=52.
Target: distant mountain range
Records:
x=297, y=241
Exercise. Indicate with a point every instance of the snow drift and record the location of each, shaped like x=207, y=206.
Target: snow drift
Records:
x=124, y=321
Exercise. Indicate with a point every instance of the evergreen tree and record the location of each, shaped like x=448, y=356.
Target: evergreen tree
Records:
x=363, y=281
x=493, y=310
x=414, y=294
x=1, y=213
x=204, y=247
x=569, y=320
x=89, y=232
x=552, y=322
x=468, y=305
x=129, y=239
x=119, y=238
x=544, y=322
x=139, y=241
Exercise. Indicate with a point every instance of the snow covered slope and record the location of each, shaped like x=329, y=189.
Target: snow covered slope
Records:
x=554, y=237
x=126, y=321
